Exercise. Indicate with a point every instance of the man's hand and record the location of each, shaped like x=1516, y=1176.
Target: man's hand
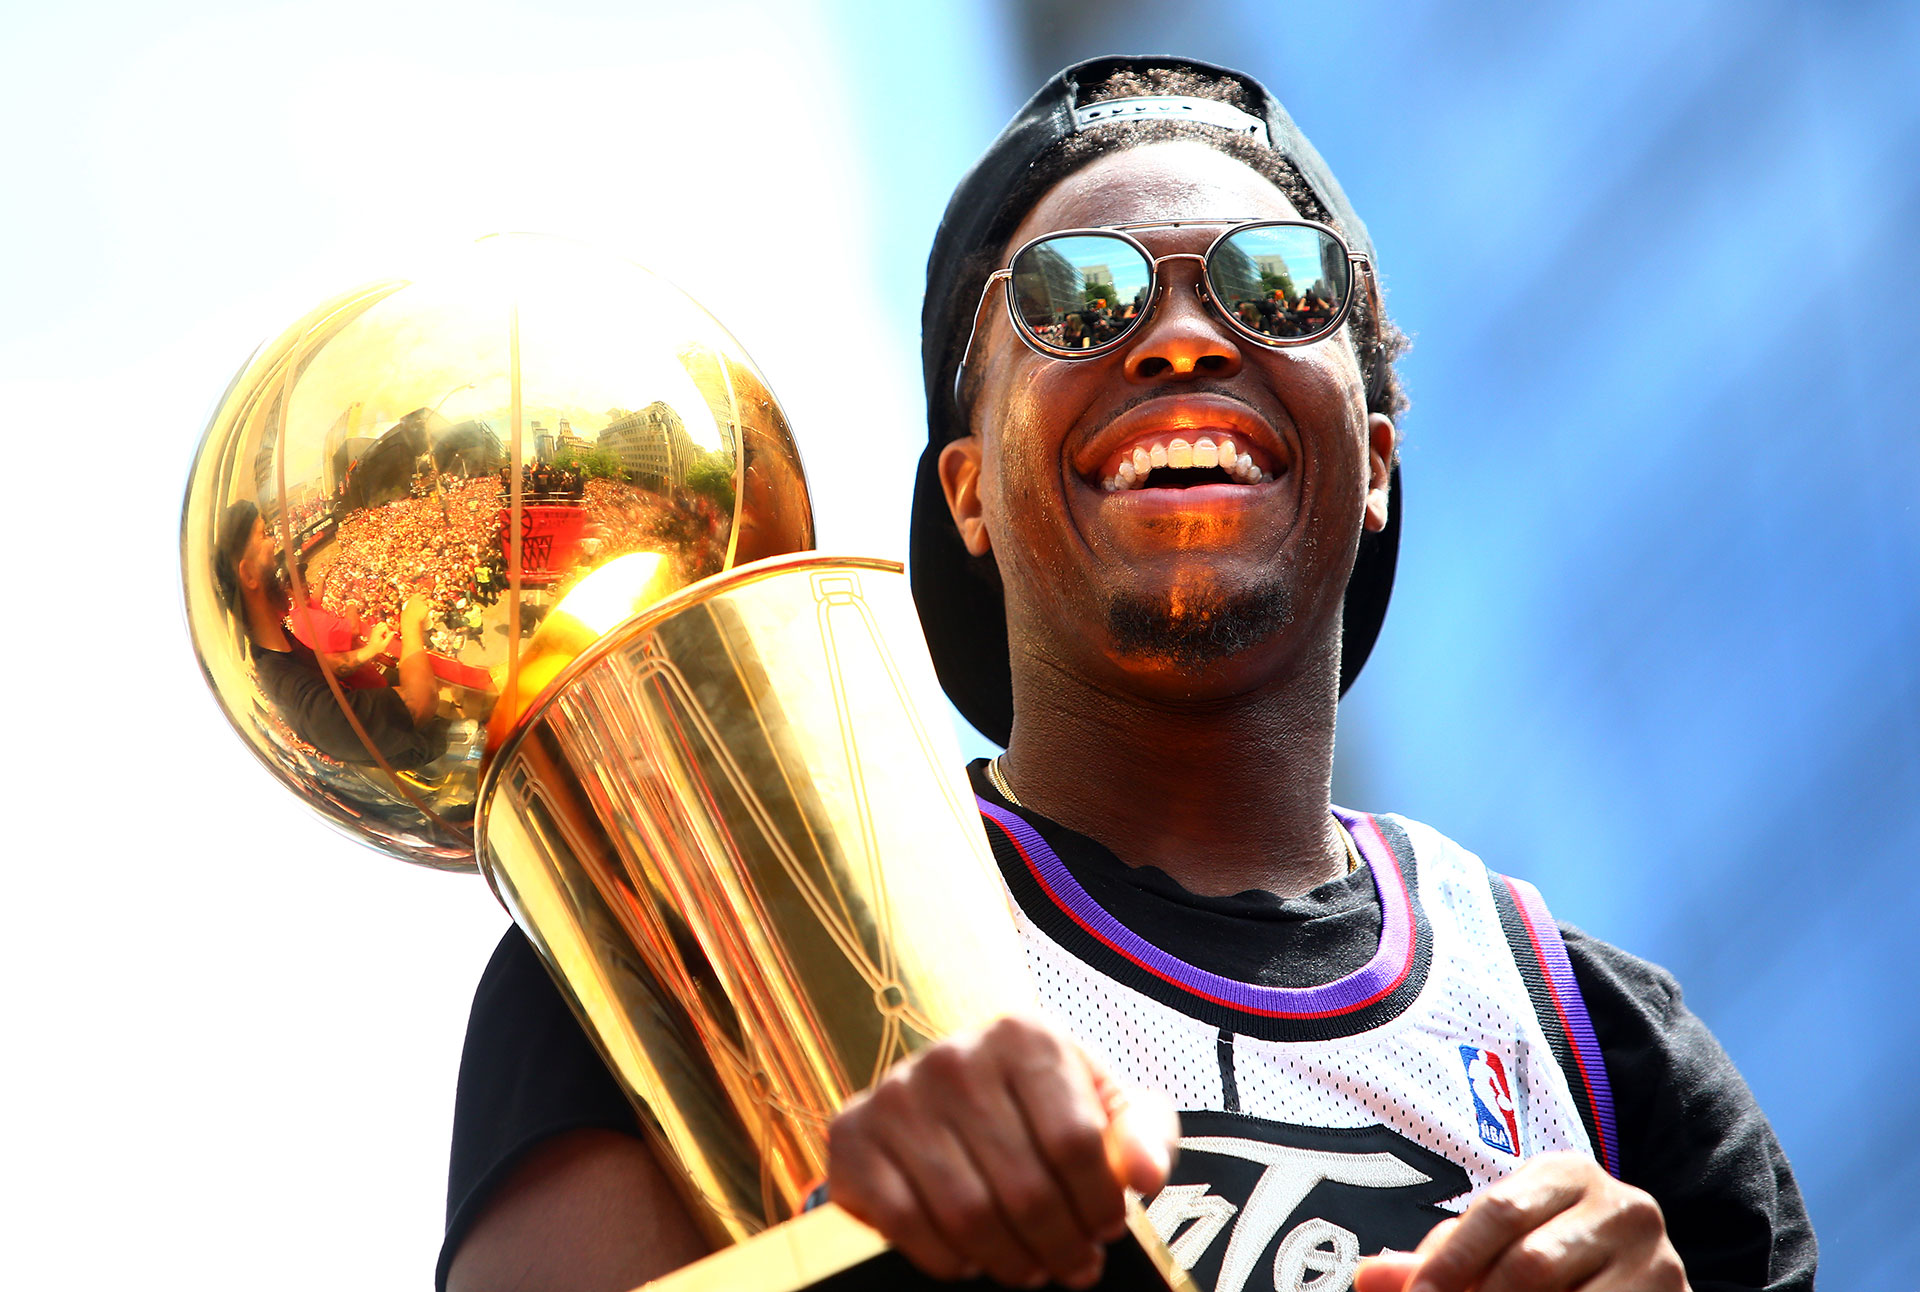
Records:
x=413, y=615
x=416, y=672
x=1002, y=1152
x=379, y=640
x=1558, y=1222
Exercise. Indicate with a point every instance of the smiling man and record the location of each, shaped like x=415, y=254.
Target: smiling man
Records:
x=1153, y=539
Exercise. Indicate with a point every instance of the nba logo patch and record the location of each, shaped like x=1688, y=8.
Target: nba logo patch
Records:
x=1493, y=1107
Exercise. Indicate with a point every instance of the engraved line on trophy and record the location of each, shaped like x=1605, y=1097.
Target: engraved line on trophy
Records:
x=659, y=1030
x=764, y=954
x=842, y=924
x=755, y=697
x=765, y=1071
x=966, y=816
x=516, y=506
x=841, y=591
x=590, y=715
x=586, y=722
x=572, y=730
x=845, y=928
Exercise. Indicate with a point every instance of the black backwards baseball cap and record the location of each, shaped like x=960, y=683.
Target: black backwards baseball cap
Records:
x=962, y=612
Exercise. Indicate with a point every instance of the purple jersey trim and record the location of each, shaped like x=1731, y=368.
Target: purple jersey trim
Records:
x=1573, y=1015
x=1391, y=963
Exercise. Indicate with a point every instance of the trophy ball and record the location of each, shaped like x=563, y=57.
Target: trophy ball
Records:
x=418, y=505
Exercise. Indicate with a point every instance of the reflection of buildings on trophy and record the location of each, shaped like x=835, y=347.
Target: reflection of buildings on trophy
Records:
x=420, y=444
x=559, y=444
x=343, y=447
x=566, y=443
x=653, y=446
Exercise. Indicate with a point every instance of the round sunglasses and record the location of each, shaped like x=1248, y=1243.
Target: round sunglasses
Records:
x=1080, y=293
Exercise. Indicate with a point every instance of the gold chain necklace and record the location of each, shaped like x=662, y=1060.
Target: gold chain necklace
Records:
x=1353, y=850
x=999, y=780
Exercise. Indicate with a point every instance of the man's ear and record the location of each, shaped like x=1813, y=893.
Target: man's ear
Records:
x=1381, y=445
x=960, y=479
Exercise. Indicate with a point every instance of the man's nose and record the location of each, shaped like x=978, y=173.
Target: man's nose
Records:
x=1181, y=339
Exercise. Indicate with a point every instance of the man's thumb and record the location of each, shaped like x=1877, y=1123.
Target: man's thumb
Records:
x=1143, y=1136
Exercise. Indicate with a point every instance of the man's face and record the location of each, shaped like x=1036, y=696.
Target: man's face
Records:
x=257, y=567
x=1175, y=592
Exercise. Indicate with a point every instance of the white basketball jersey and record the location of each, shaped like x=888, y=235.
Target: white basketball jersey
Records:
x=1322, y=1124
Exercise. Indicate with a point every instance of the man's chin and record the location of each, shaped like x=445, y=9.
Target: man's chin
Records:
x=1195, y=630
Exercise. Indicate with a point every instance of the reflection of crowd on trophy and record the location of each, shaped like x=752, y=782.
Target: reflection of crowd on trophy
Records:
x=305, y=513
x=380, y=555
x=402, y=551
x=540, y=482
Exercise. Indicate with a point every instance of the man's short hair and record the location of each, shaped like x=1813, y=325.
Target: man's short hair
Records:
x=236, y=530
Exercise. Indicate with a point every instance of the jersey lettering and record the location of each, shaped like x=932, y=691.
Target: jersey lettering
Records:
x=1303, y=1202
x=1302, y=1265
x=1176, y=1205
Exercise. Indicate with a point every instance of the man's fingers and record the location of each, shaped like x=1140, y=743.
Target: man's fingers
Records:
x=1616, y=1233
x=1563, y=1253
x=875, y=1191
x=1069, y=1124
x=1028, y=1165
x=963, y=1205
x=1386, y=1272
x=1497, y=1219
x=1009, y=1147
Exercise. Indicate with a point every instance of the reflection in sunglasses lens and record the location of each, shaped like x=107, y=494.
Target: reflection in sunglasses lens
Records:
x=1284, y=281
x=1080, y=291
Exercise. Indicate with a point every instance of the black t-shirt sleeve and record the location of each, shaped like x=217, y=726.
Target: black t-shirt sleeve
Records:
x=306, y=703
x=384, y=714
x=1690, y=1131
x=528, y=1073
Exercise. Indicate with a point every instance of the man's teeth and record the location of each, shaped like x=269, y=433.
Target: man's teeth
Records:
x=1177, y=453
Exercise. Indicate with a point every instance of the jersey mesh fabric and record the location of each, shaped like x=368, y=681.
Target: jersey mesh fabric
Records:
x=1407, y=1074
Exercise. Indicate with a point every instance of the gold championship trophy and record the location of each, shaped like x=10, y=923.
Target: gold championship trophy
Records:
x=508, y=568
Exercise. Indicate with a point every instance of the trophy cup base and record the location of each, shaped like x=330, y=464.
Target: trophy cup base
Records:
x=827, y=1250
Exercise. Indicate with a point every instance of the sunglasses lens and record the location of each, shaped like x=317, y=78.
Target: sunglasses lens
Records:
x=1080, y=290
x=1281, y=281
